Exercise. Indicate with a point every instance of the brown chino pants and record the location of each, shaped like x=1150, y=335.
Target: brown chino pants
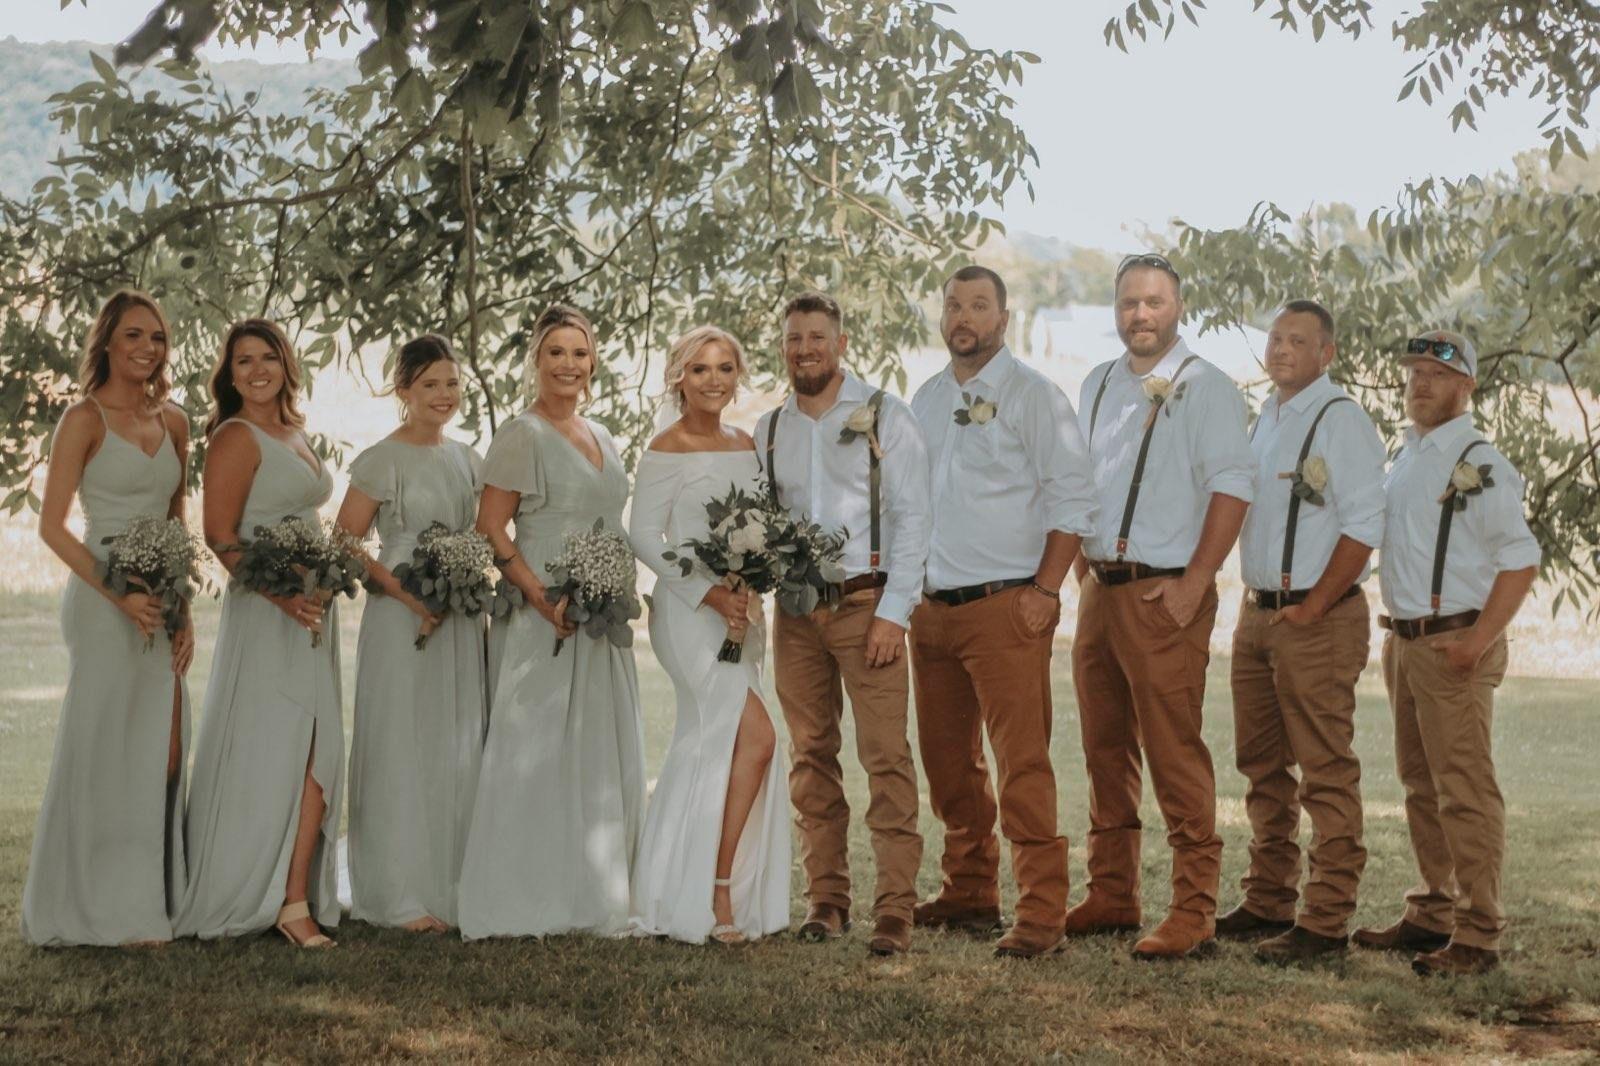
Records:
x=978, y=669
x=1141, y=681
x=1294, y=703
x=1457, y=817
x=811, y=655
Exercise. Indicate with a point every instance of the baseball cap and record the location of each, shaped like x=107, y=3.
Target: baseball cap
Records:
x=1442, y=346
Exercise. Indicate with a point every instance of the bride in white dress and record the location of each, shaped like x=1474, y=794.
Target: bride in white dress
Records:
x=714, y=856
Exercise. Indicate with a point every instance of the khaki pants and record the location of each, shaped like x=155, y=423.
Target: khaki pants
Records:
x=1294, y=703
x=811, y=655
x=976, y=669
x=1454, y=810
x=1141, y=682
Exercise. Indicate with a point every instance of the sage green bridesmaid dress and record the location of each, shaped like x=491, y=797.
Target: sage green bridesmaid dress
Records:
x=272, y=703
x=420, y=715
x=555, y=828
x=107, y=866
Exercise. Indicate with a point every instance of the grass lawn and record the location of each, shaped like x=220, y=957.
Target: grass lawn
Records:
x=388, y=995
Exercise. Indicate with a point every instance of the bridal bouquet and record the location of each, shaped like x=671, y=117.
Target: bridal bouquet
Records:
x=754, y=544
x=453, y=571
x=596, y=572
x=296, y=557
x=157, y=556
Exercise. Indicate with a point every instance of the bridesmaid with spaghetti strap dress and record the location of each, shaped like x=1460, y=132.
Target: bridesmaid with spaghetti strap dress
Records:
x=107, y=865
x=420, y=714
x=263, y=815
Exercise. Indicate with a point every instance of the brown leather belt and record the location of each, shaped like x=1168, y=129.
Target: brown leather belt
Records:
x=1412, y=628
x=872, y=580
x=1122, y=573
x=969, y=593
x=1275, y=599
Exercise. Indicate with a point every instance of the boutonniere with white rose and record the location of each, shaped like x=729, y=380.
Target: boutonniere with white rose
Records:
x=978, y=412
x=1467, y=480
x=1161, y=394
x=1309, y=479
x=863, y=422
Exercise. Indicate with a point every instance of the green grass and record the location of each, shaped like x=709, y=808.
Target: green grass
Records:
x=386, y=995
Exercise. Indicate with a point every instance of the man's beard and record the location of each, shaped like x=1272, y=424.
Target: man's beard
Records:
x=812, y=384
x=982, y=345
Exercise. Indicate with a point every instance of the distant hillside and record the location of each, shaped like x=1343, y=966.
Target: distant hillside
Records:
x=35, y=71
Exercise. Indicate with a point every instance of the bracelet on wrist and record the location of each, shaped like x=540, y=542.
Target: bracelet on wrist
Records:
x=1052, y=593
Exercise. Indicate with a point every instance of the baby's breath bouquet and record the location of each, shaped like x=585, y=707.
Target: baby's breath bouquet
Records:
x=157, y=556
x=754, y=544
x=596, y=572
x=453, y=571
x=296, y=557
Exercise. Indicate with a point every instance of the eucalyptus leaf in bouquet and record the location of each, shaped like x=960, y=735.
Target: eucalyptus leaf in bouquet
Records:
x=596, y=573
x=298, y=557
x=453, y=572
x=752, y=543
x=159, y=557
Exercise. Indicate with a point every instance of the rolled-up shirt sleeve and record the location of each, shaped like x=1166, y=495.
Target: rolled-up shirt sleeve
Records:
x=1220, y=445
x=1355, y=474
x=1502, y=527
x=907, y=512
x=1055, y=447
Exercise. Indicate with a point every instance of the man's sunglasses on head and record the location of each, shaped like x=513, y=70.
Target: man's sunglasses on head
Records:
x=1444, y=351
x=1147, y=259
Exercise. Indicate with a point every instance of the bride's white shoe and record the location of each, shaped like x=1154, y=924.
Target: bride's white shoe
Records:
x=726, y=934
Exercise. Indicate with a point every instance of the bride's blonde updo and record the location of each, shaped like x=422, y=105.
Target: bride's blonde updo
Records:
x=690, y=345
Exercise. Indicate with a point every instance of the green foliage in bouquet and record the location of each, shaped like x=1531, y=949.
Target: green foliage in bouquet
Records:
x=768, y=550
x=452, y=572
x=596, y=572
x=157, y=556
x=295, y=557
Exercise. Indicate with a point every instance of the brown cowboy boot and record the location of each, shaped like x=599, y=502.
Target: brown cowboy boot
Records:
x=824, y=921
x=1456, y=960
x=1097, y=914
x=1243, y=924
x=1401, y=936
x=1300, y=945
x=1028, y=941
x=890, y=936
x=938, y=913
x=1177, y=937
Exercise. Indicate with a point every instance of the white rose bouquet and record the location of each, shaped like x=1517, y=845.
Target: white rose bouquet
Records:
x=296, y=557
x=596, y=572
x=159, y=557
x=754, y=544
x=453, y=571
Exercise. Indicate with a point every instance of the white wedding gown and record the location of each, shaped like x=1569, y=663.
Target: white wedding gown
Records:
x=683, y=821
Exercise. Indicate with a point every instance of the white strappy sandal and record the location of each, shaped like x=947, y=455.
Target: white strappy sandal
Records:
x=726, y=934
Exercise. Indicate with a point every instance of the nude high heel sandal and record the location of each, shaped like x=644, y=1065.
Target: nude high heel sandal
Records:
x=726, y=934
x=293, y=912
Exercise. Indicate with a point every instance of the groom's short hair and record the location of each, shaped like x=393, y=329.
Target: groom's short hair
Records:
x=981, y=273
x=813, y=302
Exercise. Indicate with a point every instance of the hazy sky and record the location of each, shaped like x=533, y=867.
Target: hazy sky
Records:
x=1201, y=126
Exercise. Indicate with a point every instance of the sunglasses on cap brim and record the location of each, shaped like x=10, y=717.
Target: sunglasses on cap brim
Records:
x=1444, y=351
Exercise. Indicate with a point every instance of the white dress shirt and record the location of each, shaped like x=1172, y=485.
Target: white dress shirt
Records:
x=1000, y=487
x=1490, y=536
x=826, y=481
x=1199, y=448
x=1352, y=501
